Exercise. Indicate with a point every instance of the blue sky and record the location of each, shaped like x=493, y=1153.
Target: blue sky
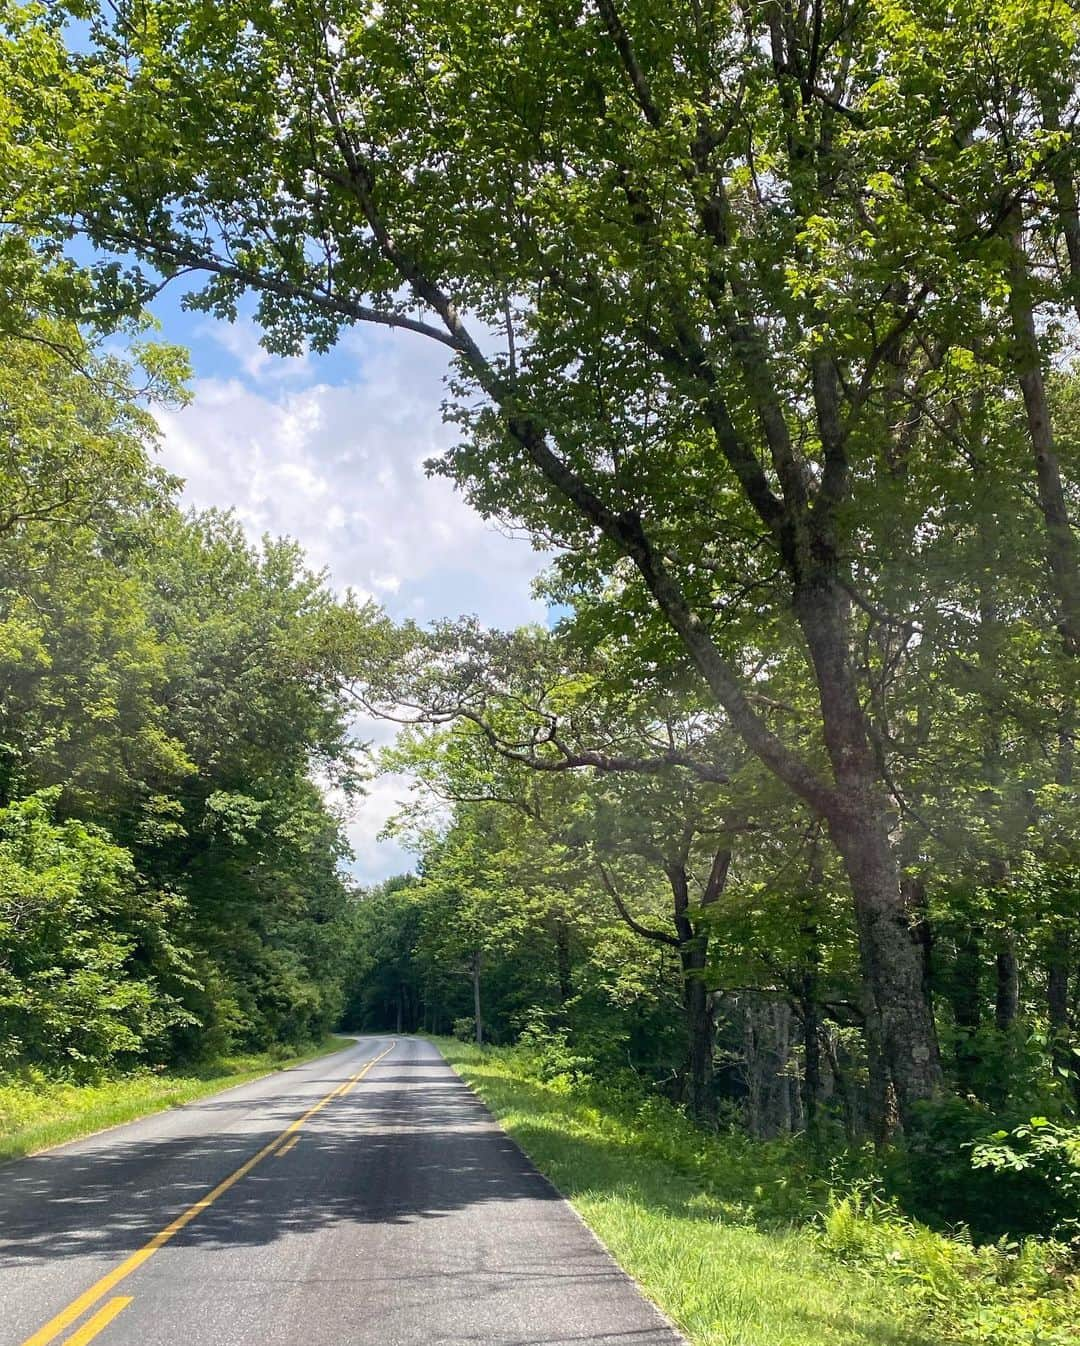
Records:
x=330, y=450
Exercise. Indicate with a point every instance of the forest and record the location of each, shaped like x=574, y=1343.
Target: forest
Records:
x=762, y=322
x=172, y=881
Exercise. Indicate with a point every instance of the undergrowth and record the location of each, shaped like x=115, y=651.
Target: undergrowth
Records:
x=751, y=1243
x=38, y=1110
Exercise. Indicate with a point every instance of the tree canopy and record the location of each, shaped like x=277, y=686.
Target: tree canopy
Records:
x=762, y=319
x=172, y=880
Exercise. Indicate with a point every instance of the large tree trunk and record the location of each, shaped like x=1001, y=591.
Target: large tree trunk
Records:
x=900, y=1022
x=701, y=1035
x=1061, y=550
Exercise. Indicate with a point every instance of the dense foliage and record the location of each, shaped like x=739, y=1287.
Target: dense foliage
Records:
x=170, y=877
x=763, y=319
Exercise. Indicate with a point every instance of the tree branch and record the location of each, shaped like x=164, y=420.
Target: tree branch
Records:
x=657, y=936
x=630, y=64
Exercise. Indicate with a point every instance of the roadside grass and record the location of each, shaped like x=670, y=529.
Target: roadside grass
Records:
x=744, y=1243
x=36, y=1112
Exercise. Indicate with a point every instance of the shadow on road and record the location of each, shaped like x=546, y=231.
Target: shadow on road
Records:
x=412, y=1145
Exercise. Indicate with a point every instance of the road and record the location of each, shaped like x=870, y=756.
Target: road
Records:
x=366, y=1197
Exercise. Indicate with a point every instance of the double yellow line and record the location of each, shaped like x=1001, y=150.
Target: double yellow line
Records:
x=101, y=1288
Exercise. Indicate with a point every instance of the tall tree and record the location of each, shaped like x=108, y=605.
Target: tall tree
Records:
x=722, y=267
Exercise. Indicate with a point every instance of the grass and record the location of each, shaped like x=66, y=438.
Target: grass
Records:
x=746, y=1244
x=36, y=1113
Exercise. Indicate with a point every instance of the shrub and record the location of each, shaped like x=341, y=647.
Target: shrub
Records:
x=549, y=1054
x=960, y=1165
x=1041, y=1160
x=464, y=1029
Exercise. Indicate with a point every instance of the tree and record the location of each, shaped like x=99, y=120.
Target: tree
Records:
x=86, y=952
x=725, y=257
x=173, y=873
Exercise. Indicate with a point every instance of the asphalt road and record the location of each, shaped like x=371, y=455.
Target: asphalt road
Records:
x=336, y=1202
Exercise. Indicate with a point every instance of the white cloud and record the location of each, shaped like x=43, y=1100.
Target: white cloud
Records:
x=376, y=858
x=338, y=466
x=240, y=339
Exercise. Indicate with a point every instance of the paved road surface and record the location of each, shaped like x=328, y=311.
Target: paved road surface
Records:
x=363, y=1198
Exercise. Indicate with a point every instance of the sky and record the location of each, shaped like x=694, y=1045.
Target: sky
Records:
x=329, y=450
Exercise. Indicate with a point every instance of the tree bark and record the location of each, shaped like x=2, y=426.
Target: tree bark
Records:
x=898, y=1005
x=1007, y=997
x=701, y=1035
x=1061, y=550
x=478, y=1019
x=900, y=1019
x=781, y=1032
x=697, y=999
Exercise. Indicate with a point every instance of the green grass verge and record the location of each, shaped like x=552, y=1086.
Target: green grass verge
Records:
x=741, y=1243
x=36, y=1113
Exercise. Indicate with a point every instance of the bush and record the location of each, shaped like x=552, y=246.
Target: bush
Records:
x=960, y=1165
x=550, y=1055
x=465, y=1029
x=1041, y=1159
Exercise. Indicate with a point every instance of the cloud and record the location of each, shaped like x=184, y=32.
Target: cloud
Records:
x=376, y=858
x=240, y=341
x=338, y=465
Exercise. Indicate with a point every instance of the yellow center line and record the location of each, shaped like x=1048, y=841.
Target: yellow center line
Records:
x=290, y=1143
x=102, y=1318
x=111, y=1279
